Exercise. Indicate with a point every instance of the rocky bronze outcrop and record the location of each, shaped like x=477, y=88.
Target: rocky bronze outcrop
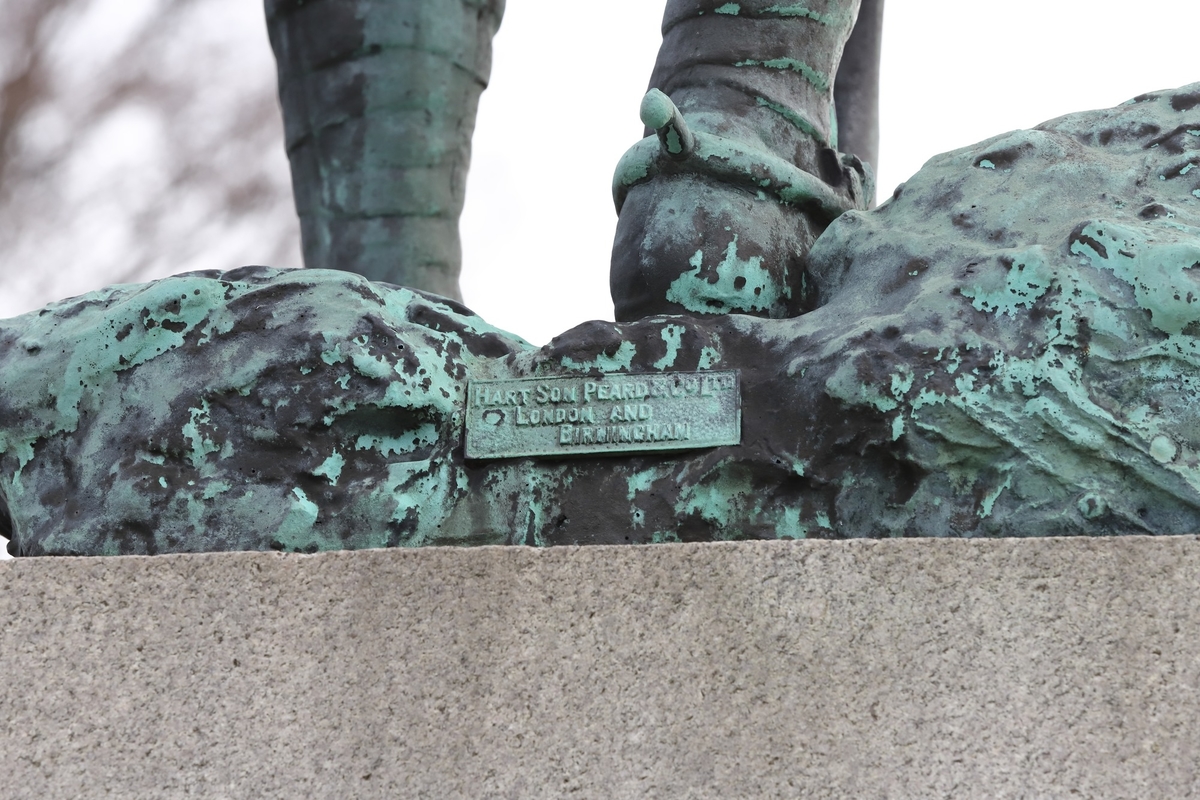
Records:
x=1007, y=347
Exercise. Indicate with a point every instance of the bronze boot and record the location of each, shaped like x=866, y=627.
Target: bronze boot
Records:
x=720, y=204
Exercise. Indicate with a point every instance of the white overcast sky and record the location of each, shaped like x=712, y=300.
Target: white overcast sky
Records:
x=567, y=80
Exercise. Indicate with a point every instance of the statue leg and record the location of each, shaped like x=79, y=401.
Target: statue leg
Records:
x=719, y=210
x=379, y=100
x=856, y=89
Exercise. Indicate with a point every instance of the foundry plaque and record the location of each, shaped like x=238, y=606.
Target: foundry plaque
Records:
x=605, y=414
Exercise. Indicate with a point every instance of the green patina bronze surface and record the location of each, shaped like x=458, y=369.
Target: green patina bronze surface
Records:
x=1007, y=347
x=719, y=208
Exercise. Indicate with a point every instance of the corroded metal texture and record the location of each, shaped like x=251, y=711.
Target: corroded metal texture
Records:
x=1008, y=348
x=379, y=100
x=725, y=225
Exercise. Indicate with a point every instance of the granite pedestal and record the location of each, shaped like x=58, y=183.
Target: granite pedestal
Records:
x=860, y=669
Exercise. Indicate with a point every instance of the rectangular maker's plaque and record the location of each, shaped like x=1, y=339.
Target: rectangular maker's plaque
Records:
x=605, y=414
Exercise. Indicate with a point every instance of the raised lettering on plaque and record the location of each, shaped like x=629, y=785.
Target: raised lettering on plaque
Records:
x=606, y=414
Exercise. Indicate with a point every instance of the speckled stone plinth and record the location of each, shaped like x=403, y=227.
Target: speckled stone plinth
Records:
x=863, y=669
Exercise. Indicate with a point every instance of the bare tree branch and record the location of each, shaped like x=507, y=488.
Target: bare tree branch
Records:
x=136, y=140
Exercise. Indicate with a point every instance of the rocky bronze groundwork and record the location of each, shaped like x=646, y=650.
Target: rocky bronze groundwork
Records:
x=1005, y=347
